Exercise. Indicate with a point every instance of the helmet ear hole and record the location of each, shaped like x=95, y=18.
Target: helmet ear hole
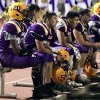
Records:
x=88, y=70
x=17, y=14
x=87, y=67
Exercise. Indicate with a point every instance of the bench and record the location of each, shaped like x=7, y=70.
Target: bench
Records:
x=20, y=84
x=4, y=69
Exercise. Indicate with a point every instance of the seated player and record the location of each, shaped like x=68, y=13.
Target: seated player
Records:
x=94, y=28
x=81, y=37
x=10, y=39
x=37, y=38
x=31, y=14
x=94, y=23
x=60, y=36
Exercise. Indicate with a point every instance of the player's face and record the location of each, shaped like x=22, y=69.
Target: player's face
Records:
x=37, y=14
x=86, y=18
x=74, y=21
x=53, y=21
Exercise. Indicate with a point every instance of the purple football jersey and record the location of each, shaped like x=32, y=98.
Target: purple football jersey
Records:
x=94, y=27
x=83, y=28
x=64, y=26
x=95, y=18
x=36, y=31
x=8, y=32
x=54, y=39
x=14, y=30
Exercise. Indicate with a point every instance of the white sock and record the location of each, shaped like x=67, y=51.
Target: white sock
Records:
x=71, y=60
x=80, y=70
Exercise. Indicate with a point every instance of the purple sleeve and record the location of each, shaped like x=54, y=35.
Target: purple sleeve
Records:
x=10, y=28
x=78, y=27
x=37, y=32
x=94, y=18
x=29, y=1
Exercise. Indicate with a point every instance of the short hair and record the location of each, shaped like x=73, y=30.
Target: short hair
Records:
x=30, y=10
x=72, y=14
x=33, y=7
x=84, y=11
x=48, y=15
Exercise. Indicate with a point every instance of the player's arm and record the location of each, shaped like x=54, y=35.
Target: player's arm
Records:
x=41, y=47
x=10, y=35
x=79, y=38
x=14, y=45
x=60, y=34
x=40, y=40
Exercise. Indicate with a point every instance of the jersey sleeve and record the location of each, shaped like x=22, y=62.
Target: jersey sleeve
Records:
x=78, y=27
x=10, y=31
x=37, y=32
x=60, y=26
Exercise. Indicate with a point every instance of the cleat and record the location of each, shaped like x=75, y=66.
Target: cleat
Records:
x=73, y=84
x=40, y=95
x=82, y=79
x=95, y=78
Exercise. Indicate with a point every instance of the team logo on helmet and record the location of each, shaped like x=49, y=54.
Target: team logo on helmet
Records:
x=59, y=75
x=15, y=11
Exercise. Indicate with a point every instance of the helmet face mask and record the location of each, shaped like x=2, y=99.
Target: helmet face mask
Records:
x=15, y=11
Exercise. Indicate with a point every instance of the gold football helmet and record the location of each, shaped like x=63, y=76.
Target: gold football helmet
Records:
x=64, y=54
x=88, y=70
x=96, y=8
x=15, y=11
x=59, y=76
x=75, y=8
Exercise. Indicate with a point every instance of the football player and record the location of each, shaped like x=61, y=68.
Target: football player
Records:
x=64, y=33
x=37, y=38
x=11, y=36
x=81, y=36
